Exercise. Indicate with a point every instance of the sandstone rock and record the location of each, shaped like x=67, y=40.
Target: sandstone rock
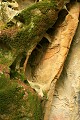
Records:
x=61, y=113
x=66, y=99
x=44, y=76
x=53, y=59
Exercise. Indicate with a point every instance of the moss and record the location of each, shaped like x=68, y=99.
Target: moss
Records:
x=14, y=105
x=37, y=106
x=5, y=57
x=33, y=24
x=26, y=15
x=14, y=74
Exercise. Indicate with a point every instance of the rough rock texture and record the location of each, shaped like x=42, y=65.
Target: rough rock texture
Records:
x=68, y=32
x=31, y=32
x=41, y=74
x=34, y=21
x=44, y=74
x=24, y=3
x=8, y=9
x=66, y=99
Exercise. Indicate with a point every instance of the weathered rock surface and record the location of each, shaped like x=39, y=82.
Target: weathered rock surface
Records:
x=24, y=3
x=43, y=77
x=8, y=9
x=42, y=73
x=66, y=99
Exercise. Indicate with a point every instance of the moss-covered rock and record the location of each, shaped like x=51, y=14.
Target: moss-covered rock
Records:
x=28, y=29
x=18, y=101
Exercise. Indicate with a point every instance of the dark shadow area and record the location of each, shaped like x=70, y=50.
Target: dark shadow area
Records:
x=61, y=17
x=36, y=57
x=38, y=52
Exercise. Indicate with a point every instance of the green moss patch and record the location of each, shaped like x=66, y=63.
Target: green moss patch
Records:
x=17, y=103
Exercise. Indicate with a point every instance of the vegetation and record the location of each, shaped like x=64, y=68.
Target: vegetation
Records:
x=17, y=103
